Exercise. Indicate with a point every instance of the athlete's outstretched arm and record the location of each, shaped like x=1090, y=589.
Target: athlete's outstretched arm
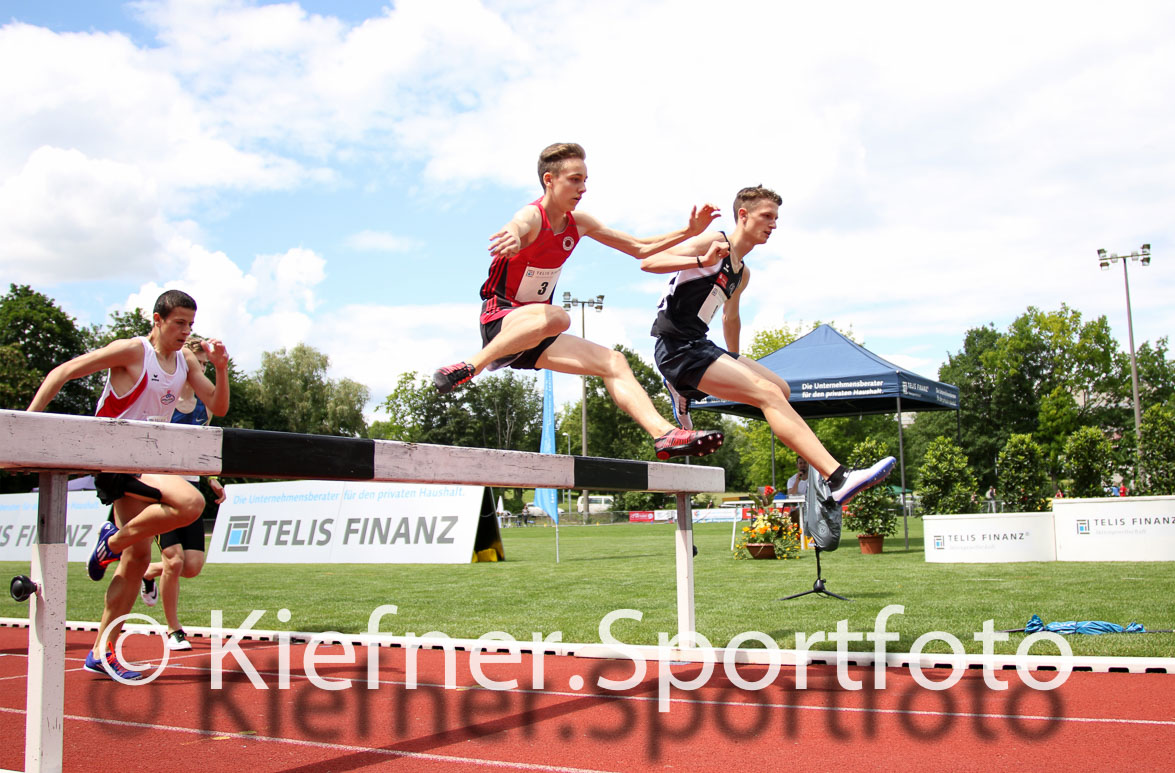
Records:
x=643, y=247
x=518, y=233
x=124, y=352
x=706, y=250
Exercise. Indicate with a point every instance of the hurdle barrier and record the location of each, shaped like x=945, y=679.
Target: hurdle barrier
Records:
x=56, y=445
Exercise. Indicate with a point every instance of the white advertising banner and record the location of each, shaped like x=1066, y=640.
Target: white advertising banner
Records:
x=18, y=525
x=701, y=515
x=989, y=538
x=1115, y=529
x=313, y=522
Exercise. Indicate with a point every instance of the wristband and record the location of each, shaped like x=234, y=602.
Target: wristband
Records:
x=699, y=259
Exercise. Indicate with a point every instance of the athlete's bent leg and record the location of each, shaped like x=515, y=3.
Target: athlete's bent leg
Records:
x=578, y=357
x=181, y=504
x=731, y=379
x=169, y=583
x=122, y=591
x=522, y=329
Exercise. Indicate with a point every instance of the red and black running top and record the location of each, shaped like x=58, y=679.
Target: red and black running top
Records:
x=530, y=276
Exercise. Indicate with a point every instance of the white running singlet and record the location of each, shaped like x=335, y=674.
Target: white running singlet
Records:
x=153, y=397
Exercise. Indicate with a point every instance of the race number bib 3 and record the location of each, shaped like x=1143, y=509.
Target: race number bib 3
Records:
x=537, y=284
x=715, y=299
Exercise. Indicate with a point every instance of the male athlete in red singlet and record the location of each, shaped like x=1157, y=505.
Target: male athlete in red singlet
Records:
x=144, y=379
x=521, y=328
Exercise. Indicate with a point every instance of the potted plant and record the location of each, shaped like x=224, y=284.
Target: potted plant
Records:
x=771, y=534
x=874, y=512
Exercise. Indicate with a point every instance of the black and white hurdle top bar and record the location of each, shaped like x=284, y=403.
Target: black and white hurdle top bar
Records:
x=43, y=441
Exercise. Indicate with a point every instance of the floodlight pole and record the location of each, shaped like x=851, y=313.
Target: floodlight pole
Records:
x=598, y=303
x=1104, y=261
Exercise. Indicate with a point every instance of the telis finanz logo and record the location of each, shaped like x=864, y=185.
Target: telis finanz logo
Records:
x=1082, y=527
x=939, y=542
x=240, y=530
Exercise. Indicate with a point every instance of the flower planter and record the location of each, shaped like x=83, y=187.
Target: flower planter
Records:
x=870, y=543
x=761, y=549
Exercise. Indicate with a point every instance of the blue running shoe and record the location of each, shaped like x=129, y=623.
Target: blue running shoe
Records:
x=102, y=556
x=109, y=666
x=857, y=481
x=680, y=405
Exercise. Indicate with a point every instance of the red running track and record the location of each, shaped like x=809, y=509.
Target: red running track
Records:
x=1094, y=721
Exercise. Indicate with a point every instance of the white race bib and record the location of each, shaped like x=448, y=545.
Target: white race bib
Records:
x=537, y=284
x=710, y=306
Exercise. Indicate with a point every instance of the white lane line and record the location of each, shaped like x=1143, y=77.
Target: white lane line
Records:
x=333, y=746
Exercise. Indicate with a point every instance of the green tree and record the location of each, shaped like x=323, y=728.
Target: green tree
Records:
x=981, y=420
x=294, y=395
x=45, y=337
x=1058, y=419
x=499, y=411
x=945, y=482
x=122, y=325
x=1088, y=462
x=18, y=382
x=1158, y=450
x=1023, y=478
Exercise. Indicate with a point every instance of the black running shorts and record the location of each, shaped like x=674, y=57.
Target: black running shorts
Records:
x=190, y=537
x=523, y=360
x=113, y=486
x=683, y=363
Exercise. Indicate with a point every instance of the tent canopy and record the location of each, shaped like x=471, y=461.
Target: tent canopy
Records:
x=830, y=375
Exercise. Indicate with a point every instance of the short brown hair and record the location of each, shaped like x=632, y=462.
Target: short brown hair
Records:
x=171, y=300
x=552, y=158
x=748, y=197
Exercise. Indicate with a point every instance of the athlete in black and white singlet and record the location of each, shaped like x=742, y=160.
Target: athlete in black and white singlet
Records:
x=693, y=297
x=153, y=397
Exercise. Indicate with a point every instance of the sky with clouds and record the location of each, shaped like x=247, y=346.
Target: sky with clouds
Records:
x=330, y=172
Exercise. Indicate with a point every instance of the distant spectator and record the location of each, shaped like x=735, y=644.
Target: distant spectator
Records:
x=797, y=485
x=1060, y=494
x=1122, y=491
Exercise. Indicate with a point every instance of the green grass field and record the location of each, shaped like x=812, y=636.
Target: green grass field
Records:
x=632, y=566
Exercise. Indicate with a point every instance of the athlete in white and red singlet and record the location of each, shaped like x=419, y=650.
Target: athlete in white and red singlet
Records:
x=154, y=395
x=144, y=379
x=521, y=328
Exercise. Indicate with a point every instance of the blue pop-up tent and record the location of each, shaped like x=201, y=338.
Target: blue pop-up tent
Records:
x=830, y=375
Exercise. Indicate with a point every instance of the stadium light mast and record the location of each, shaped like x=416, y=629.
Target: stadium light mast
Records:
x=598, y=303
x=1143, y=257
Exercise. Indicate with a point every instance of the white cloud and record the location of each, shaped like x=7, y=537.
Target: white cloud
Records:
x=67, y=217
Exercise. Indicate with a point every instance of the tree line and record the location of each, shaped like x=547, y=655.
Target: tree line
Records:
x=1051, y=392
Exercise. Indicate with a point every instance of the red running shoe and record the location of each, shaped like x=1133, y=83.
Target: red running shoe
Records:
x=450, y=377
x=684, y=442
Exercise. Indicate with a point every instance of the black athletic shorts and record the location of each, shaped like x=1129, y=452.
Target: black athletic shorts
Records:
x=683, y=363
x=521, y=361
x=191, y=537
x=113, y=486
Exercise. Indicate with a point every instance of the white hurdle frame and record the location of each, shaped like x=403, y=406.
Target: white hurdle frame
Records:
x=57, y=445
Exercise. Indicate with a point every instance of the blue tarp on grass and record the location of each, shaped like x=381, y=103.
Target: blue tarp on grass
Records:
x=1084, y=626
